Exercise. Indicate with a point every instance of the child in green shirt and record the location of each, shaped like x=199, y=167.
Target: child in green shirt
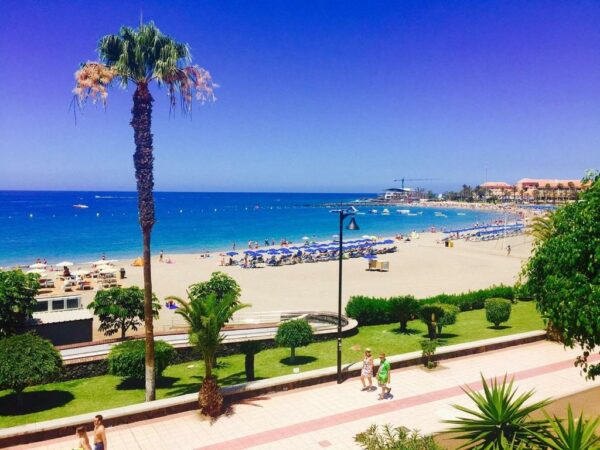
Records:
x=383, y=376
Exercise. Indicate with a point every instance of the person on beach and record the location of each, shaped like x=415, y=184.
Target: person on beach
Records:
x=83, y=443
x=508, y=249
x=383, y=376
x=367, y=370
x=99, y=434
x=161, y=256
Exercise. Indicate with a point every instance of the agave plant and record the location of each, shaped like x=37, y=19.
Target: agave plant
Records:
x=575, y=434
x=500, y=417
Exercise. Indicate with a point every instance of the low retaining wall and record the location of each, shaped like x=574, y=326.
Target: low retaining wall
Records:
x=25, y=434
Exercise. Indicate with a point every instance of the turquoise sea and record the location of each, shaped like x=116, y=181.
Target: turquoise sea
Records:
x=46, y=225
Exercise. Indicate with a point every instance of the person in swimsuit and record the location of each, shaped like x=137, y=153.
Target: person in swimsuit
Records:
x=99, y=434
x=367, y=371
x=83, y=441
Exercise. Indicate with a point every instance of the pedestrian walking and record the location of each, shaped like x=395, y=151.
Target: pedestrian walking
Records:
x=508, y=249
x=383, y=376
x=161, y=256
x=83, y=443
x=99, y=434
x=367, y=371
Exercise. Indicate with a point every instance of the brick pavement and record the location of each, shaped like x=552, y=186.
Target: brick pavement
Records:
x=329, y=415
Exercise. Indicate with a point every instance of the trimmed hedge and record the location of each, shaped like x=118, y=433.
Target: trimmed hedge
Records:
x=497, y=310
x=369, y=310
x=127, y=359
x=378, y=310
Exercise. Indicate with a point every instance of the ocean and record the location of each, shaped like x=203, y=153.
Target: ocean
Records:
x=46, y=225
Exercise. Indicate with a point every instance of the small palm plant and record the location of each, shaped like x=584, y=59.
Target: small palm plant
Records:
x=499, y=417
x=206, y=315
x=575, y=434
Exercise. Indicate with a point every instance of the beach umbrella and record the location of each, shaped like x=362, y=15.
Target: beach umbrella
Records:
x=273, y=252
x=38, y=266
x=231, y=253
x=80, y=272
x=305, y=238
x=369, y=256
x=106, y=269
x=64, y=264
x=388, y=241
x=285, y=250
x=39, y=271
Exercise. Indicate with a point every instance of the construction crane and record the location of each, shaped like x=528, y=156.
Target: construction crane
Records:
x=414, y=179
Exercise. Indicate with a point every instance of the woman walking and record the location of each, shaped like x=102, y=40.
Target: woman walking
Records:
x=367, y=370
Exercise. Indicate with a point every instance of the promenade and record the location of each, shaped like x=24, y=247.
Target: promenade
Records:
x=329, y=415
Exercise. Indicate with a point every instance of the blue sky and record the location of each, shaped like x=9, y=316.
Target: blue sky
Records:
x=315, y=96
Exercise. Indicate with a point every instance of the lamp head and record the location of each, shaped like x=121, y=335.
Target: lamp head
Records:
x=352, y=225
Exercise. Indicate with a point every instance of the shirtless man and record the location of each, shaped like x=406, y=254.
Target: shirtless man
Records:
x=99, y=434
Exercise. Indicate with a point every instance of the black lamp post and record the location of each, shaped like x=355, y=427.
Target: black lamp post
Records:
x=351, y=226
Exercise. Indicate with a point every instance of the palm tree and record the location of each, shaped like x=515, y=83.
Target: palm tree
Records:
x=206, y=315
x=141, y=57
x=572, y=193
x=542, y=227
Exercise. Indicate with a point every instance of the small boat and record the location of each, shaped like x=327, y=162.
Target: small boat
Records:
x=385, y=212
x=403, y=211
x=373, y=211
x=411, y=214
x=439, y=214
x=461, y=214
x=80, y=206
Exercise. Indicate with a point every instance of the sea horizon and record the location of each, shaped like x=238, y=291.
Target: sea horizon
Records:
x=47, y=224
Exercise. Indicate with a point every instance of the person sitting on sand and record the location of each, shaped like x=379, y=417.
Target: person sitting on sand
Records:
x=66, y=272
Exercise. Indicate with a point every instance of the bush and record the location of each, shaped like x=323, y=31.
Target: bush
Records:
x=429, y=346
x=369, y=310
x=127, y=359
x=293, y=334
x=468, y=301
x=430, y=315
x=497, y=310
x=394, y=438
x=403, y=309
x=448, y=318
x=17, y=300
x=27, y=360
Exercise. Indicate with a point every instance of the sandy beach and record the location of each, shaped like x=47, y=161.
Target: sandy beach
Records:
x=421, y=268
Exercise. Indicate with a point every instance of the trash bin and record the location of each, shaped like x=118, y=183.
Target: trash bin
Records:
x=122, y=272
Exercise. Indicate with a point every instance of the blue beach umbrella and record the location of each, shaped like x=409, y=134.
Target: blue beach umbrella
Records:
x=388, y=241
x=285, y=250
x=369, y=256
x=232, y=253
x=273, y=252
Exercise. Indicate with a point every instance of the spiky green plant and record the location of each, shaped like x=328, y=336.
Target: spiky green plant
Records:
x=499, y=417
x=542, y=227
x=575, y=434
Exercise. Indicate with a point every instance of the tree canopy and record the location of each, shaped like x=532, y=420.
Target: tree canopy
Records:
x=17, y=300
x=120, y=309
x=220, y=284
x=26, y=360
x=563, y=273
x=294, y=333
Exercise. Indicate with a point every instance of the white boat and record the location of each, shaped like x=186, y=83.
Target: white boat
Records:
x=439, y=214
x=403, y=211
x=461, y=214
x=373, y=211
x=81, y=206
x=385, y=212
x=411, y=214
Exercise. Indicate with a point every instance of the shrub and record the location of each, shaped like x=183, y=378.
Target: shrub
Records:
x=293, y=334
x=497, y=310
x=468, y=301
x=127, y=359
x=369, y=310
x=429, y=346
x=403, y=309
x=394, y=438
x=27, y=360
x=430, y=315
x=448, y=318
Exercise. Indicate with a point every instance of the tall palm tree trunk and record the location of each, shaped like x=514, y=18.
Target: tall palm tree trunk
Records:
x=144, y=161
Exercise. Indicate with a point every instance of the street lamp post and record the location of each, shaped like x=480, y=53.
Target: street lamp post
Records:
x=351, y=226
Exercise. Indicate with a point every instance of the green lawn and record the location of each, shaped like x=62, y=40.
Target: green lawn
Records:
x=88, y=395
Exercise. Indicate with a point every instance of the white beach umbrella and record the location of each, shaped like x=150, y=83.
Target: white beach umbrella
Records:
x=80, y=272
x=104, y=261
x=106, y=269
x=38, y=271
x=38, y=266
x=64, y=264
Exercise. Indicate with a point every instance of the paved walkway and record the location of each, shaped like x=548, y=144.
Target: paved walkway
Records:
x=329, y=415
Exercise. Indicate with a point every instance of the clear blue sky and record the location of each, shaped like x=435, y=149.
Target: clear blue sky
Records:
x=315, y=96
